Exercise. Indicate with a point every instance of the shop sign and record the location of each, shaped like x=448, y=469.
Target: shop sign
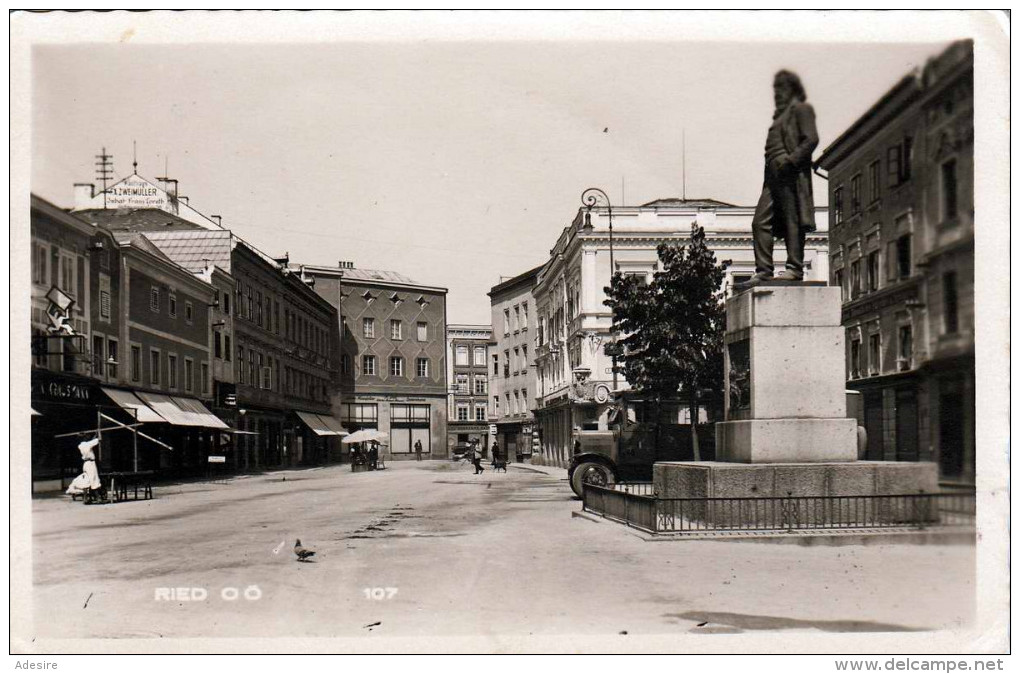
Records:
x=136, y=192
x=217, y=459
x=60, y=389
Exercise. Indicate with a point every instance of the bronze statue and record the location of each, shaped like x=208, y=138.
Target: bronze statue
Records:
x=786, y=208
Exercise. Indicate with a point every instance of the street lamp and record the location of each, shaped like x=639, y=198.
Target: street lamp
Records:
x=590, y=198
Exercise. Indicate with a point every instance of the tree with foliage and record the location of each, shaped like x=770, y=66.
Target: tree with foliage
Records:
x=672, y=327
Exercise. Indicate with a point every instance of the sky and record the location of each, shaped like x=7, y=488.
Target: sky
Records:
x=456, y=163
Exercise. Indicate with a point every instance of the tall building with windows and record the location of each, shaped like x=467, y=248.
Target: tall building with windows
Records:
x=512, y=375
x=392, y=350
x=467, y=355
x=575, y=379
x=901, y=185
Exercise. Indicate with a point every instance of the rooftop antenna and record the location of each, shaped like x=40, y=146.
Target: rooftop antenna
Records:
x=134, y=158
x=684, y=166
x=104, y=170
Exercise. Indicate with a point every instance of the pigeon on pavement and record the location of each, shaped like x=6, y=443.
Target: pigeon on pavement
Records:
x=302, y=553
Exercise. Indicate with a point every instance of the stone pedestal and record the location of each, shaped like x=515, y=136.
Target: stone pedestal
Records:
x=786, y=431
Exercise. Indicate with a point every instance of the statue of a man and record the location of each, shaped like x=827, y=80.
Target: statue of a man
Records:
x=786, y=209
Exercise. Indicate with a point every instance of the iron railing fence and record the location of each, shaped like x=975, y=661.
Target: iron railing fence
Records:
x=789, y=513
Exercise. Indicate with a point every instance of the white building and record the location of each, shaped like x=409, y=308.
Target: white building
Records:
x=574, y=376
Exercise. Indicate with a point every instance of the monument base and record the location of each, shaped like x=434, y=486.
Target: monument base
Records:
x=714, y=479
x=786, y=440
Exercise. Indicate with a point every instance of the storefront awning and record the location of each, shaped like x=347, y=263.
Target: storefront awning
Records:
x=183, y=411
x=320, y=424
x=130, y=402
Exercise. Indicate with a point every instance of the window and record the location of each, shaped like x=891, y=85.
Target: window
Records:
x=239, y=305
x=524, y=358
x=524, y=401
x=67, y=275
x=524, y=316
x=173, y=304
x=155, y=365
x=98, y=358
x=258, y=308
x=949, y=195
x=855, y=359
x=189, y=312
x=837, y=279
x=267, y=375
x=39, y=265
x=875, y=353
x=361, y=414
x=462, y=355
x=205, y=378
x=506, y=363
x=495, y=363
x=517, y=318
x=136, y=363
x=495, y=405
x=253, y=377
x=368, y=365
x=515, y=363
x=462, y=412
x=226, y=348
x=368, y=327
x=873, y=180
x=906, y=351
x=837, y=205
x=154, y=298
x=217, y=344
x=506, y=321
x=423, y=331
x=240, y=365
x=903, y=256
x=517, y=401
x=855, y=279
x=898, y=163
x=462, y=384
x=189, y=374
x=112, y=357
x=480, y=356
x=171, y=370
x=396, y=329
x=480, y=383
x=104, y=297
x=422, y=367
x=396, y=366
x=251, y=307
x=345, y=363
x=855, y=194
x=226, y=303
x=950, y=304
x=480, y=413
x=873, y=267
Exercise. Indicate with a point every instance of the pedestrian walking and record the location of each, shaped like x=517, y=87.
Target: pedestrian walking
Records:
x=476, y=458
x=417, y=449
x=373, y=455
x=495, y=453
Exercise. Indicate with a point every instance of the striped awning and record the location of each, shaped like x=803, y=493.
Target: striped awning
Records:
x=130, y=402
x=322, y=424
x=181, y=411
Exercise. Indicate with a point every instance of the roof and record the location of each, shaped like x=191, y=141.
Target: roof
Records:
x=377, y=275
x=503, y=285
x=195, y=250
x=139, y=241
x=675, y=202
x=136, y=219
x=45, y=207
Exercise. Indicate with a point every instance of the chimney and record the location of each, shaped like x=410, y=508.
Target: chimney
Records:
x=169, y=185
x=84, y=193
x=283, y=261
x=218, y=219
x=184, y=199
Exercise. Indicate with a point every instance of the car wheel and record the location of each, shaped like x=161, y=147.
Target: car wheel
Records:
x=590, y=473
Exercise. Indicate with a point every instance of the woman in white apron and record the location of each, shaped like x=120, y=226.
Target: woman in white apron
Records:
x=89, y=478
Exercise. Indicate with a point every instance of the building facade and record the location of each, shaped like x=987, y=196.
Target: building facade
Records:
x=901, y=185
x=575, y=377
x=391, y=333
x=467, y=357
x=512, y=373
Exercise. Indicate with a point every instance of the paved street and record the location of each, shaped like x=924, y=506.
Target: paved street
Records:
x=495, y=555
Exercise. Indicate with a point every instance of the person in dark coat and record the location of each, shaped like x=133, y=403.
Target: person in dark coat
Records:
x=417, y=449
x=495, y=453
x=786, y=208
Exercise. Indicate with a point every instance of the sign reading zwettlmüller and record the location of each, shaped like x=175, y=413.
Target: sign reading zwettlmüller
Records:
x=135, y=192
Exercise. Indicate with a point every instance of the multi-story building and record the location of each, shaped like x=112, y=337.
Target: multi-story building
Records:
x=576, y=380
x=901, y=185
x=270, y=336
x=467, y=357
x=512, y=375
x=392, y=351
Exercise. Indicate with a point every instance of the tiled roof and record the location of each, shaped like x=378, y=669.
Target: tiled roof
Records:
x=194, y=249
x=136, y=219
x=139, y=241
x=377, y=275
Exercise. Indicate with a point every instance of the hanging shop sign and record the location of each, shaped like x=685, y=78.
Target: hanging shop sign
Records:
x=53, y=387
